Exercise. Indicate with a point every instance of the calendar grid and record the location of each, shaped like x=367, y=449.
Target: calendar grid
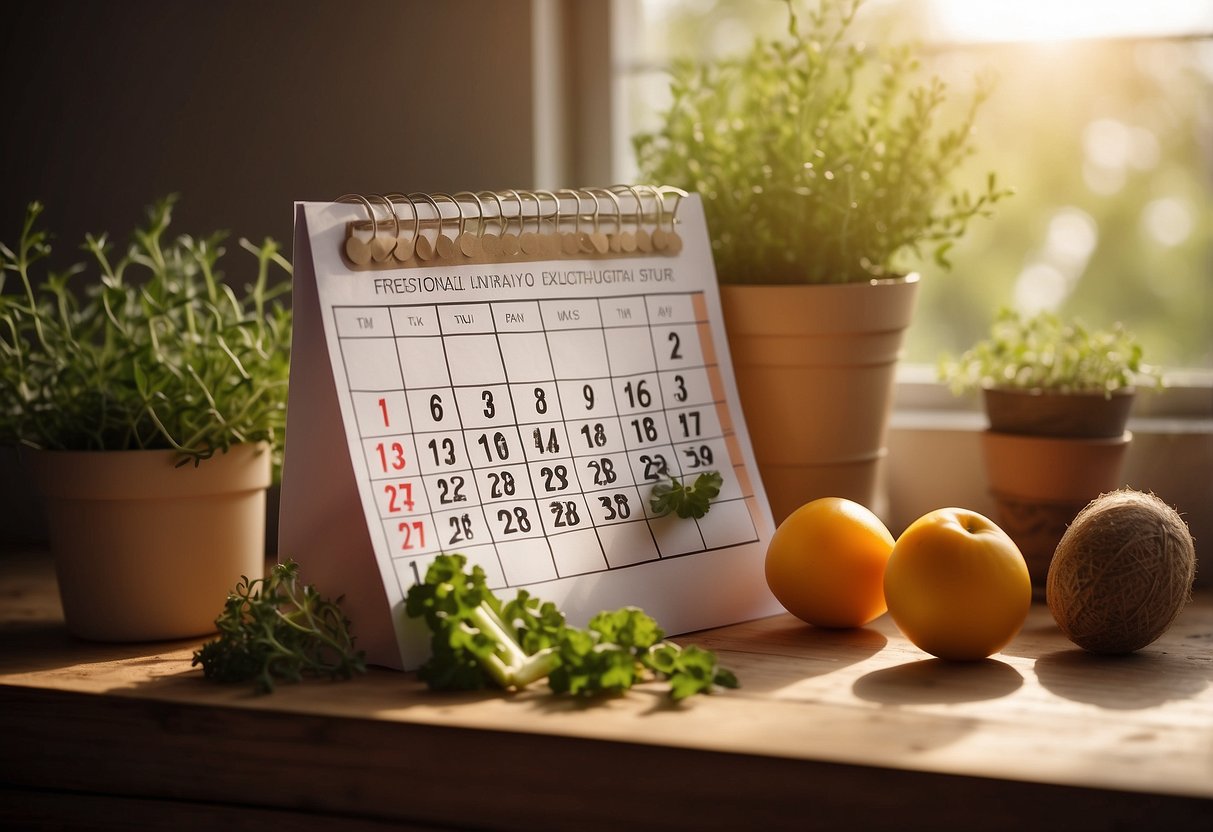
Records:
x=514, y=384
x=572, y=455
x=514, y=409
x=466, y=450
x=411, y=422
x=615, y=401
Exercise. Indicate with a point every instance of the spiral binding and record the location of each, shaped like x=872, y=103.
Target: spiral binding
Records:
x=402, y=230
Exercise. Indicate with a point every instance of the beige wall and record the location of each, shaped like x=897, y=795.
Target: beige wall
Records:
x=243, y=107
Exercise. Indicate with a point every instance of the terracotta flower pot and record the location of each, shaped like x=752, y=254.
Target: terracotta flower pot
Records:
x=147, y=550
x=815, y=367
x=1047, y=455
x=1040, y=483
x=1047, y=413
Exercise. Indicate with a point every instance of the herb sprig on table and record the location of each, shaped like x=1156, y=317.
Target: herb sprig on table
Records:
x=478, y=641
x=277, y=629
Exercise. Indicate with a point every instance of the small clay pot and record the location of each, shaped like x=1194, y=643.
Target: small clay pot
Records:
x=1049, y=413
x=146, y=549
x=1041, y=483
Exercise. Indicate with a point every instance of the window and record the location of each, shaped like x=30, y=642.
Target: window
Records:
x=1102, y=122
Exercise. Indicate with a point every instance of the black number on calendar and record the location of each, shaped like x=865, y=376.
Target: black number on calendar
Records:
x=399, y=497
x=444, y=452
x=461, y=527
x=689, y=422
x=655, y=466
x=565, y=513
x=414, y=535
x=499, y=445
x=416, y=571
x=681, y=393
x=638, y=395
x=391, y=457
x=436, y=407
x=698, y=457
x=554, y=479
x=604, y=471
x=515, y=521
x=541, y=401
x=646, y=429
x=451, y=491
x=587, y=393
x=549, y=445
x=490, y=409
x=675, y=355
x=595, y=438
x=502, y=485
x=615, y=507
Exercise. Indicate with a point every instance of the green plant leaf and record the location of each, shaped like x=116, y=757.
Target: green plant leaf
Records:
x=277, y=629
x=818, y=159
x=687, y=501
x=1045, y=352
x=148, y=351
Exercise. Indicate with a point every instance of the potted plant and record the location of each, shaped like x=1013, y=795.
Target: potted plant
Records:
x=149, y=399
x=823, y=167
x=1057, y=395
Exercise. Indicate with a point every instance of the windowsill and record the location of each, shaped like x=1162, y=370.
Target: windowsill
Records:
x=935, y=455
x=1188, y=394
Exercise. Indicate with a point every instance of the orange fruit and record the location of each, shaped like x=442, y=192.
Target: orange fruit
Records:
x=826, y=561
x=956, y=585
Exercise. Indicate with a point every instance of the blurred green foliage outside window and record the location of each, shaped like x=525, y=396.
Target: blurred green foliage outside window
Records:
x=1101, y=119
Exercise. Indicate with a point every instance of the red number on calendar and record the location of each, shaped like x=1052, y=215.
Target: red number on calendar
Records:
x=414, y=534
x=383, y=410
x=399, y=497
x=391, y=457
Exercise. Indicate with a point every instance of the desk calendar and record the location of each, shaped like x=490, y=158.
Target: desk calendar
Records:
x=470, y=376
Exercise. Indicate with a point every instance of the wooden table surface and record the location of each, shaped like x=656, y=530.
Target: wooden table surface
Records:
x=831, y=729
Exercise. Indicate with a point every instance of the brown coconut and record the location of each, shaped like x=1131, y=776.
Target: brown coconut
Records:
x=1122, y=572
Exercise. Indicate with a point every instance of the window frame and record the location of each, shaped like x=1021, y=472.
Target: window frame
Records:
x=1173, y=427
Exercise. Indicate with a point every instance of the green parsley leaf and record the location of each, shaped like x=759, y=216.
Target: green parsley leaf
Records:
x=476, y=641
x=688, y=670
x=686, y=501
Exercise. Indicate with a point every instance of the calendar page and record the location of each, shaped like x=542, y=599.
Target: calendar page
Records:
x=521, y=412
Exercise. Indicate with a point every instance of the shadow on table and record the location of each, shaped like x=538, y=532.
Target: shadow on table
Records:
x=1123, y=683
x=939, y=682
x=777, y=653
x=40, y=646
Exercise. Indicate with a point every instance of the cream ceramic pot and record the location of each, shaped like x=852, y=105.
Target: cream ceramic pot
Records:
x=146, y=549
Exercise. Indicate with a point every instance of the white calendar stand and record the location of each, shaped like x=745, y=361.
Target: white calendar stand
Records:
x=517, y=409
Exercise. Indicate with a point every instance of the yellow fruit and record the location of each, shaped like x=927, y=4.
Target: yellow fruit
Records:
x=826, y=563
x=957, y=586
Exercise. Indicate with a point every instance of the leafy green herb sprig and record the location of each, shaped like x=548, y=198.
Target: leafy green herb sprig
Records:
x=478, y=641
x=154, y=351
x=278, y=629
x=686, y=500
x=1045, y=352
x=819, y=159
